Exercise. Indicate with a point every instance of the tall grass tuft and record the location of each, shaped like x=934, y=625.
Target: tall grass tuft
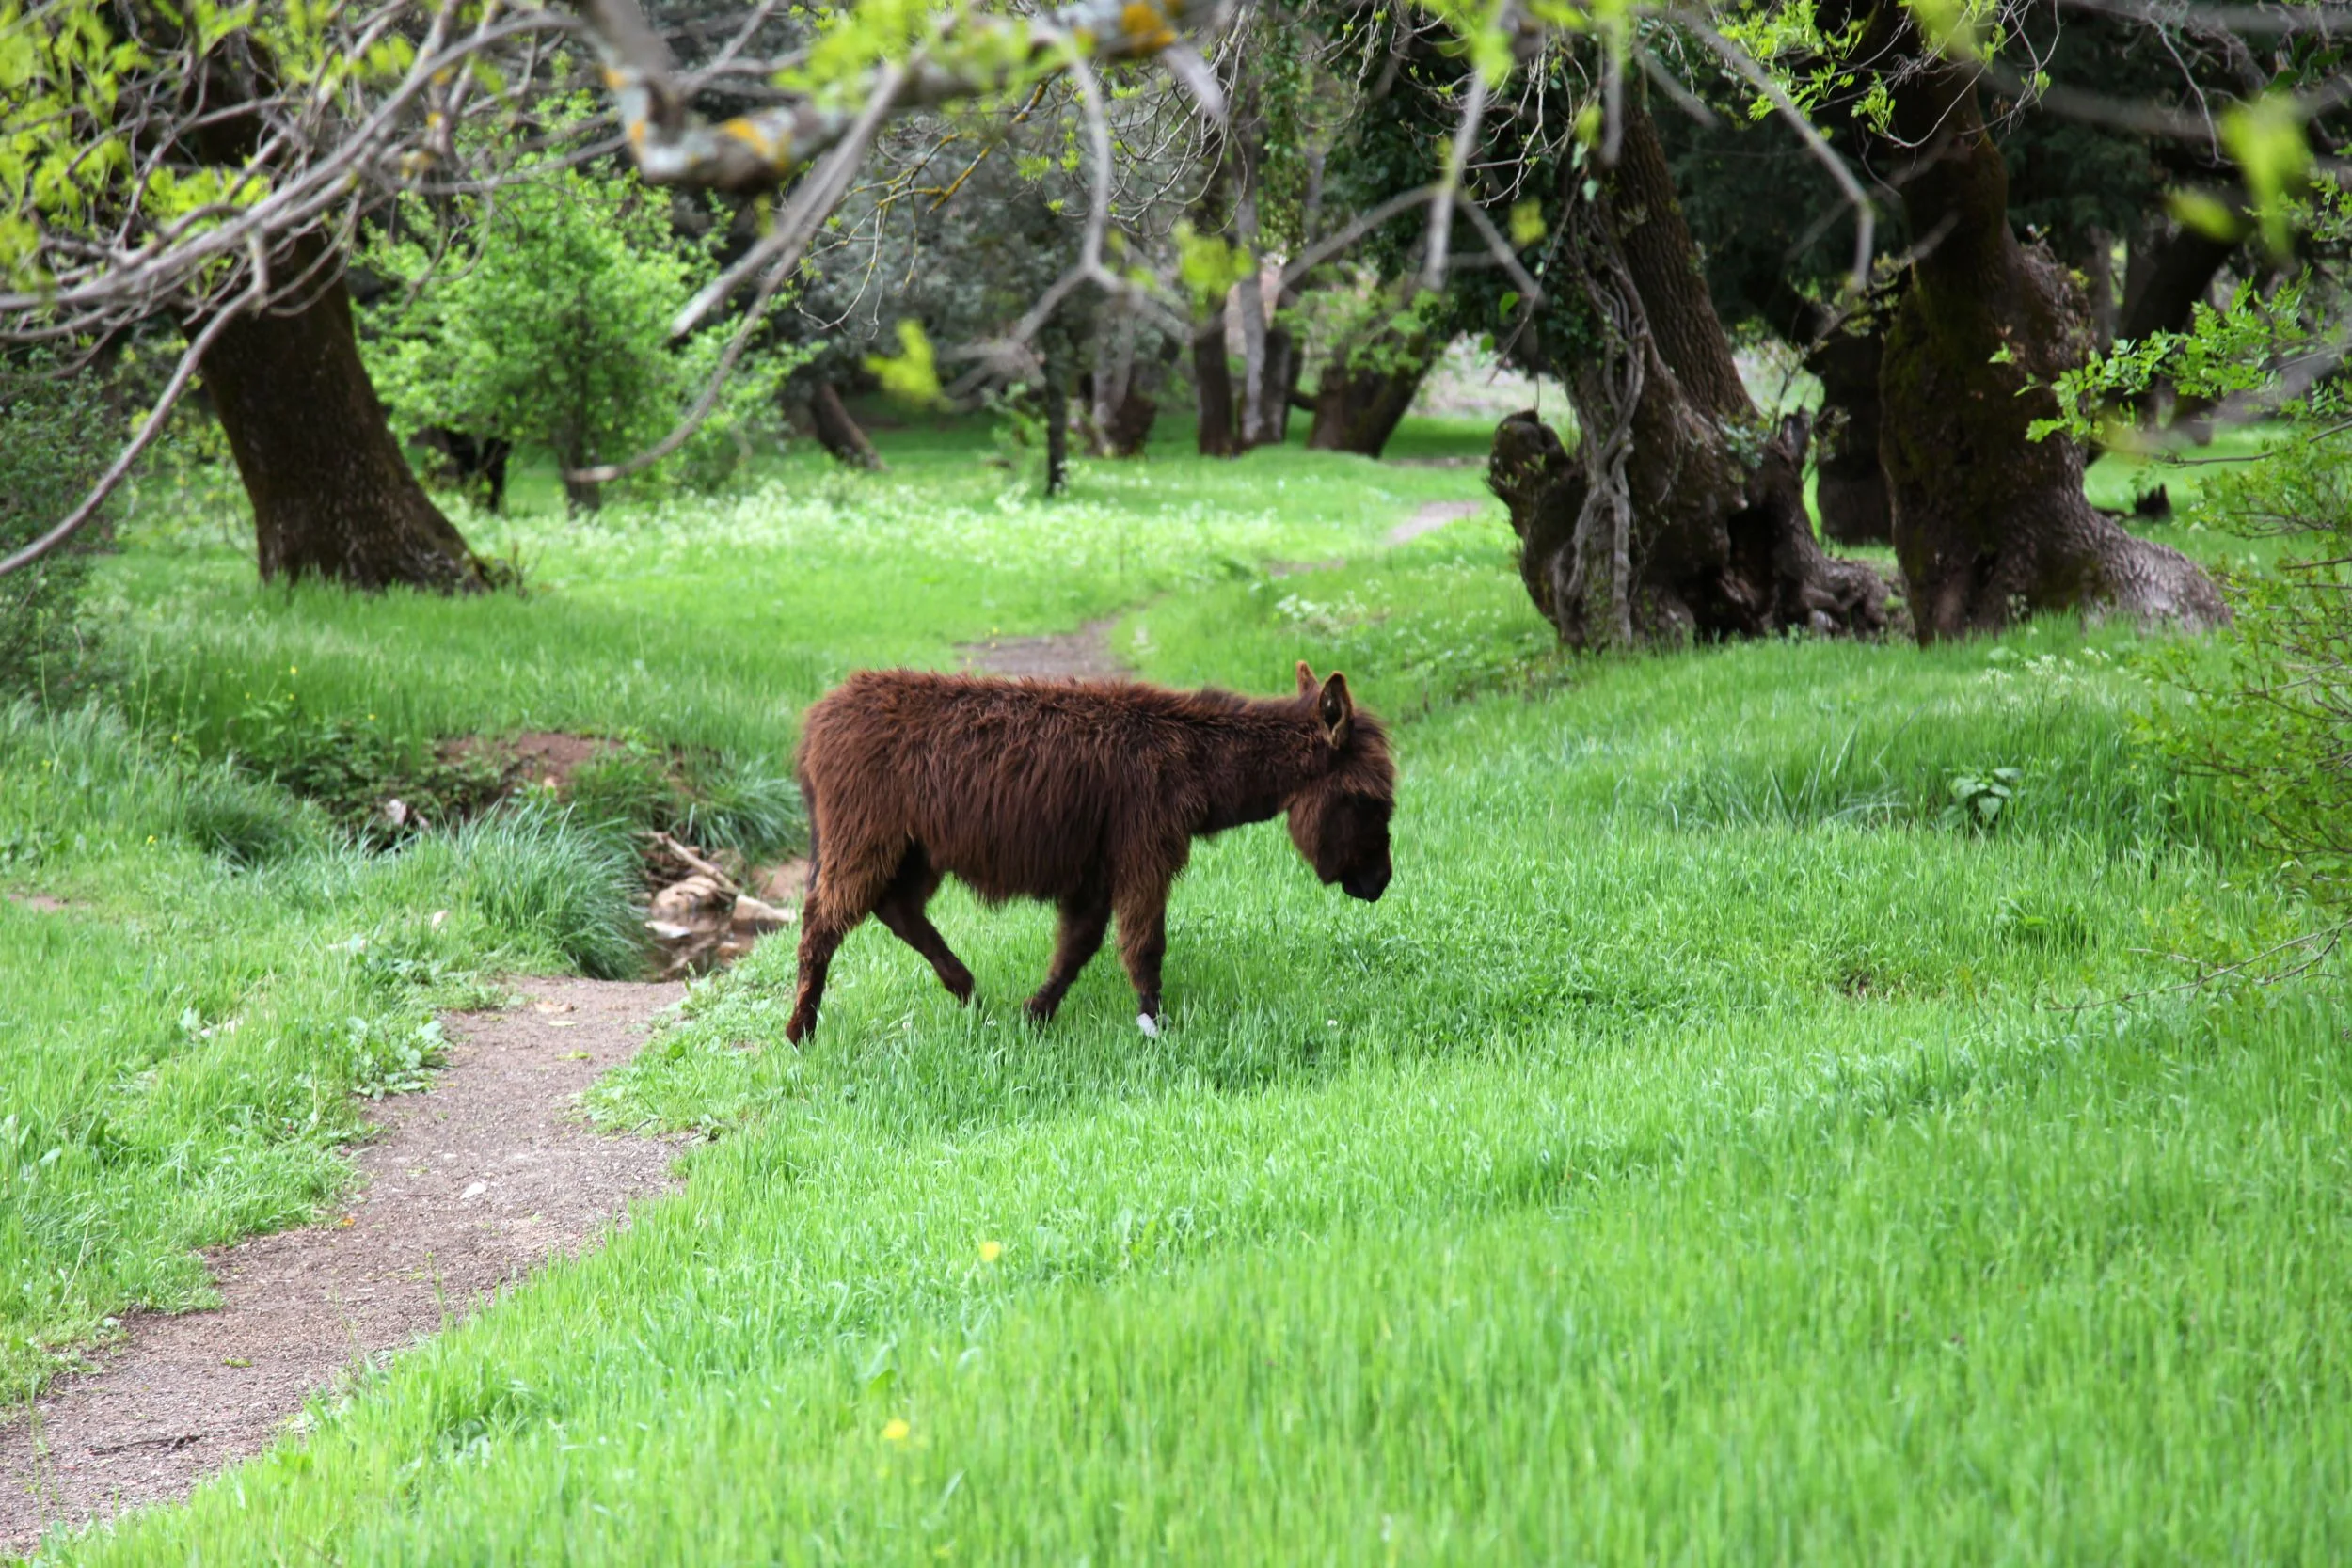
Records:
x=538, y=871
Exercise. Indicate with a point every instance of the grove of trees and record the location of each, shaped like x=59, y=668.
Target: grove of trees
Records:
x=634, y=237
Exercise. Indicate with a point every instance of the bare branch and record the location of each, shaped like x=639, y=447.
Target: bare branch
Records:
x=672, y=146
x=1450, y=182
x=1865, y=218
x=255, y=292
x=810, y=206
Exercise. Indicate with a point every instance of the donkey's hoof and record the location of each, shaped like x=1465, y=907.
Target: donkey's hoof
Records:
x=1040, y=1010
x=1149, y=1024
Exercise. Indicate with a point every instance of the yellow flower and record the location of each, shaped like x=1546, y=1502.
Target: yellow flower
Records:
x=896, y=1429
x=291, y=671
x=991, y=1251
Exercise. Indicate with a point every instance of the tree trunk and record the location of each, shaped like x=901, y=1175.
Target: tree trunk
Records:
x=1684, y=514
x=2170, y=272
x=1056, y=399
x=1363, y=395
x=580, y=496
x=1850, y=488
x=1120, y=408
x=333, y=496
x=1988, y=523
x=837, y=433
x=1212, y=377
x=1213, y=387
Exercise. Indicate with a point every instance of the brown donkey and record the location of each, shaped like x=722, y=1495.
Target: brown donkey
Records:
x=1087, y=794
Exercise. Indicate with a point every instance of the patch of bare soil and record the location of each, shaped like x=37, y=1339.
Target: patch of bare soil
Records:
x=544, y=757
x=1081, y=654
x=39, y=901
x=1431, y=516
x=467, y=1187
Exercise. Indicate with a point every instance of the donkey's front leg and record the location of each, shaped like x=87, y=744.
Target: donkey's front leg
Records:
x=1142, y=944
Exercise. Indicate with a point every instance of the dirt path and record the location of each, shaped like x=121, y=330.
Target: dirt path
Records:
x=1086, y=654
x=1431, y=516
x=1081, y=654
x=469, y=1186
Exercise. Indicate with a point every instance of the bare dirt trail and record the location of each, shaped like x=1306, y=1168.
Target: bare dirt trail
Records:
x=469, y=1185
x=1081, y=654
x=1086, y=654
x=1430, y=516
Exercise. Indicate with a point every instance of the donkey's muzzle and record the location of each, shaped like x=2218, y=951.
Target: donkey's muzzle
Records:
x=1366, y=885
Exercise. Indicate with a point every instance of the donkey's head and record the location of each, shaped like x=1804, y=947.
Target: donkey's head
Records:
x=1340, y=820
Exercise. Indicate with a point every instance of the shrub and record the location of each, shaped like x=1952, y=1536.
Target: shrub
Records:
x=549, y=325
x=55, y=437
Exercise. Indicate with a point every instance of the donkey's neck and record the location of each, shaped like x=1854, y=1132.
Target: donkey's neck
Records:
x=1256, y=763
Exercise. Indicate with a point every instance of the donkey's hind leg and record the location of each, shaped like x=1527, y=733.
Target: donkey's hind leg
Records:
x=1142, y=944
x=844, y=891
x=901, y=910
x=1078, y=939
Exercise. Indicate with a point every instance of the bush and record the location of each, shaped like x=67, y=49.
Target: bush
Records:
x=2272, y=713
x=55, y=440
x=551, y=326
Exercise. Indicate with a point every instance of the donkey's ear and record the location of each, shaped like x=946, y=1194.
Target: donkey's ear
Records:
x=1335, y=708
x=1306, y=678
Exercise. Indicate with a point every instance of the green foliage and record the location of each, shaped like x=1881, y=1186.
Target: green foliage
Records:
x=55, y=438
x=1980, y=797
x=713, y=800
x=2270, y=709
x=911, y=375
x=357, y=768
x=2266, y=708
x=1208, y=264
x=534, y=867
x=2238, y=349
x=551, y=326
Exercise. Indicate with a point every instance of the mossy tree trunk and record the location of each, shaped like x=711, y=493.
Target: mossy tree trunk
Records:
x=1365, y=391
x=1989, y=524
x=1682, y=514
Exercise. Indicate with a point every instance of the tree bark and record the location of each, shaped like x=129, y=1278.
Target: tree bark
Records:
x=1850, y=489
x=1362, y=397
x=333, y=496
x=1056, y=399
x=1212, y=377
x=1682, y=516
x=839, y=434
x=2169, y=272
x=1213, y=388
x=1988, y=523
x=1120, y=407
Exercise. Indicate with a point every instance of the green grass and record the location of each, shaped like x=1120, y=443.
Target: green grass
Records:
x=1708, y=1150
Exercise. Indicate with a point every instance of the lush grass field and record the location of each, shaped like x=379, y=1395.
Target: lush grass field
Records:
x=1712, y=1148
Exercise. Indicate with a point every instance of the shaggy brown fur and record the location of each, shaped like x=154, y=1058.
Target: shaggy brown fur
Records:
x=1085, y=795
